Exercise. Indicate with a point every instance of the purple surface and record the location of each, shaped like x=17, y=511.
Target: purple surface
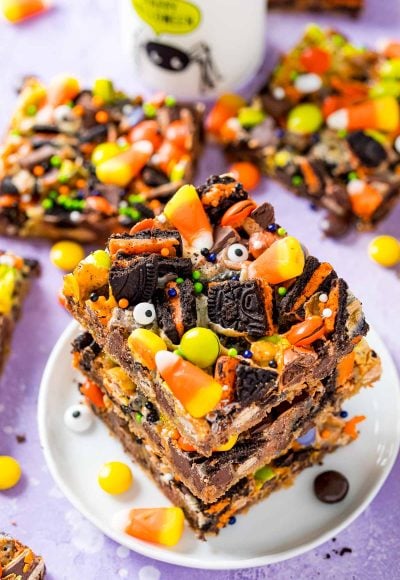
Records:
x=82, y=37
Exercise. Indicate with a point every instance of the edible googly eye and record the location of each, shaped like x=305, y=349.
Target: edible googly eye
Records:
x=237, y=253
x=63, y=113
x=78, y=418
x=144, y=313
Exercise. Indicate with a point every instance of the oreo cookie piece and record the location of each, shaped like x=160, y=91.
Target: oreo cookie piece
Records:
x=182, y=267
x=254, y=384
x=146, y=242
x=135, y=281
x=238, y=306
x=368, y=150
x=218, y=194
x=176, y=309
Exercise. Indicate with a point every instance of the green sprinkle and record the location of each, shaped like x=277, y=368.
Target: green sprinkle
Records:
x=138, y=417
x=196, y=275
x=31, y=110
x=55, y=161
x=342, y=133
x=53, y=194
x=149, y=110
x=198, y=287
x=264, y=474
x=170, y=101
x=232, y=352
x=281, y=232
x=250, y=117
x=62, y=199
x=135, y=199
x=297, y=180
x=352, y=175
x=293, y=75
x=338, y=40
x=179, y=280
x=63, y=178
x=282, y=291
x=47, y=203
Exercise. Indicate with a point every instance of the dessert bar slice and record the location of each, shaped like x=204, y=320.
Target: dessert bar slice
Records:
x=15, y=276
x=82, y=163
x=18, y=562
x=209, y=478
x=215, y=311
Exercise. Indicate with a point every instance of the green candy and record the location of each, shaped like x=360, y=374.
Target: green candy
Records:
x=200, y=346
x=55, y=161
x=149, y=110
x=264, y=474
x=385, y=88
x=249, y=117
x=198, y=287
x=138, y=417
x=47, y=203
x=282, y=291
x=232, y=352
x=196, y=275
x=170, y=101
x=304, y=119
x=315, y=33
x=391, y=68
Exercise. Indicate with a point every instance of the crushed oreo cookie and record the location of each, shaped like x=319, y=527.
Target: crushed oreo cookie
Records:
x=136, y=282
x=218, y=194
x=254, y=383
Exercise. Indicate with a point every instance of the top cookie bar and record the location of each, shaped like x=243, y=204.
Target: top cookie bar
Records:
x=215, y=311
x=326, y=124
x=82, y=163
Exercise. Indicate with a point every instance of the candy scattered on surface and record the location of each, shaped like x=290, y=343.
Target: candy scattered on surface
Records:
x=115, y=477
x=315, y=60
x=200, y=346
x=78, y=418
x=246, y=173
x=198, y=392
x=331, y=486
x=158, y=525
x=385, y=250
x=282, y=261
x=66, y=255
x=62, y=89
x=104, y=152
x=144, y=345
x=304, y=118
x=364, y=198
x=227, y=106
x=10, y=472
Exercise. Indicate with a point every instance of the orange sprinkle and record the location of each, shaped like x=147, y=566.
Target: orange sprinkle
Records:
x=325, y=434
x=78, y=110
x=97, y=101
x=63, y=189
x=351, y=426
x=101, y=117
x=87, y=148
x=123, y=303
x=164, y=252
x=81, y=183
x=38, y=170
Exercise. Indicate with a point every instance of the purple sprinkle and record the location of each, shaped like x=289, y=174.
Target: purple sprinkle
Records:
x=172, y=292
x=308, y=438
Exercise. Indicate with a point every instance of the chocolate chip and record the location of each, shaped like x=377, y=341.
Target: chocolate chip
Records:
x=331, y=486
x=136, y=281
x=238, y=306
x=223, y=236
x=264, y=215
x=367, y=149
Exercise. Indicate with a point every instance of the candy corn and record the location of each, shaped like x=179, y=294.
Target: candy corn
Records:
x=198, y=392
x=16, y=11
x=144, y=345
x=227, y=106
x=381, y=113
x=281, y=261
x=186, y=212
x=62, y=89
x=364, y=198
x=121, y=169
x=158, y=525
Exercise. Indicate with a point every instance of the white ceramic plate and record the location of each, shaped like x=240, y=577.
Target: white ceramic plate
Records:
x=297, y=521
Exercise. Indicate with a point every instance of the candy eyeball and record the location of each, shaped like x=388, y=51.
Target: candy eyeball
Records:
x=63, y=113
x=237, y=253
x=144, y=313
x=78, y=418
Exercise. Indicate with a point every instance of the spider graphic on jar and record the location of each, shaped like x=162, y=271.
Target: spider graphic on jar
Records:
x=174, y=59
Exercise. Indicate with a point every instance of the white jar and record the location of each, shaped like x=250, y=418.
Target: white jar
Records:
x=196, y=48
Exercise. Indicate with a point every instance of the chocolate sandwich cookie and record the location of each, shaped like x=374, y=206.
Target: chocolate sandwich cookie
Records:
x=176, y=309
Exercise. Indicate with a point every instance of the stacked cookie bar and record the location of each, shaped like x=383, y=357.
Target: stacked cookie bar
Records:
x=218, y=350
x=83, y=163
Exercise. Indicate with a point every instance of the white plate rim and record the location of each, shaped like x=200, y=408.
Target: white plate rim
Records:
x=154, y=552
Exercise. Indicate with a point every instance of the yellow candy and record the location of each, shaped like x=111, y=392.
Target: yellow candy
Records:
x=228, y=445
x=8, y=279
x=280, y=262
x=66, y=255
x=200, y=346
x=122, y=168
x=10, y=472
x=186, y=212
x=385, y=250
x=158, y=525
x=144, y=345
x=115, y=477
x=125, y=383
x=103, y=152
x=263, y=351
x=304, y=118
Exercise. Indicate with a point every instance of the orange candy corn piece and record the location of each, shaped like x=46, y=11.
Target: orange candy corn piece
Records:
x=382, y=114
x=92, y=392
x=122, y=168
x=198, y=391
x=18, y=10
x=364, y=198
x=158, y=525
x=62, y=89
x=282, y=261
x=186, y=212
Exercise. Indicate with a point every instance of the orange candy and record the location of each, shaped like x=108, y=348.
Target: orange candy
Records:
x=198, y=391
x=92, y=392
x=100, y=204
x=148, y=130
x=237, y=213
x=345, y=368
x=315, y=60
x=283, y=260
x=159, y=525
x=226, y=107
x=178, y=133
x=62, y=89
x=351, y=426
x=364, y=198
x=169, y=154
x=18, y=10
x=246, y=173
x=306, y=332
